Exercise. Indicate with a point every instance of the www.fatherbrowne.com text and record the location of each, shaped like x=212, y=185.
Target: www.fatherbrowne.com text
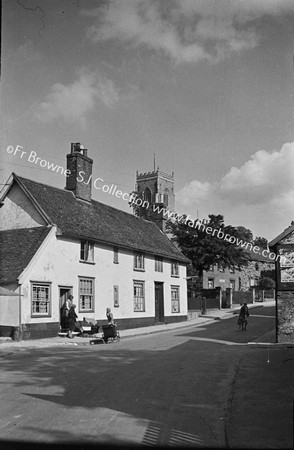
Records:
x=134, y=199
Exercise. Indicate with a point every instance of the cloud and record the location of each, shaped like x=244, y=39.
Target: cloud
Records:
x=187, y=31
x=72, y=102
x=261, y=191
x=265, y=177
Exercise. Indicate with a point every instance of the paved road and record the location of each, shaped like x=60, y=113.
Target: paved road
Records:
x=170, y=389
x=261, y=328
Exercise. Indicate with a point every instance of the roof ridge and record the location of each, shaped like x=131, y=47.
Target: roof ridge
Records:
x=92, y=200
x=72, y=215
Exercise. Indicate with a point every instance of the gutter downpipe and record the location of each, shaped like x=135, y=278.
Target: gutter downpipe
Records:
x=19, y=315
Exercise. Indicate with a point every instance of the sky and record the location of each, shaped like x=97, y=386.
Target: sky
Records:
x=205, y=85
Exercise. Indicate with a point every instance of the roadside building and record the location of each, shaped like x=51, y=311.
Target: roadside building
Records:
x=283, y=247
x=241, y=279
x=61, y=242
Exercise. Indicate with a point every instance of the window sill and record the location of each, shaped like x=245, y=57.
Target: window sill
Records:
x=87, y=262
x=86, y=311
x=175, y=276
x=40, y=316
x=139, y=270
x=115, y=262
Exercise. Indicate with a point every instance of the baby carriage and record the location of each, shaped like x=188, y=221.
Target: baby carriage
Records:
x=110, y=333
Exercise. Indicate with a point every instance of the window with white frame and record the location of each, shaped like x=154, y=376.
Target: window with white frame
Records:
x=174, y=269
x=87, y=251
x=210, y=283
x=115, y=255
x=86, y=294
x=139, y=296
x=232, y=284
x=175, y=299
x=158, y=264
x=41, y=299
x=139, y=261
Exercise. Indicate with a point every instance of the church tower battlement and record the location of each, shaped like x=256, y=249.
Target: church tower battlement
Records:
x=157, y=188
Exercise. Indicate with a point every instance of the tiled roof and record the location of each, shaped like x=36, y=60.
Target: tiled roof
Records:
x=99, y=222
x=17, y=247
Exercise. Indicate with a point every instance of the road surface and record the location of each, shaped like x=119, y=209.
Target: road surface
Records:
x=203, y=387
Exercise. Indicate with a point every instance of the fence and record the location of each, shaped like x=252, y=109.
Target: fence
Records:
x=212, y=299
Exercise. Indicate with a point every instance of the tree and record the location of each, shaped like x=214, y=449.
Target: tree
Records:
x=266, y=283
x=261, y=242
x=196, y=241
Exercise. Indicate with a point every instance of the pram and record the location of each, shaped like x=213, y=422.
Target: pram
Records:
x=110, y=333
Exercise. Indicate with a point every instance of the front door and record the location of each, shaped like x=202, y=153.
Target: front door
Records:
x=64, y=293
x=159, y=304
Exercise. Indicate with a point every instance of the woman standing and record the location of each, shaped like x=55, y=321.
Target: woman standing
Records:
x=72, y=317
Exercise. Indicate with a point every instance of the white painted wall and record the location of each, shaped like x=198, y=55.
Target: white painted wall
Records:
x=9, y=310
x=57, y=261
x=19, y=212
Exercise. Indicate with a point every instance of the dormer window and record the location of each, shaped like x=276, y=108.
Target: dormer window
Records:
x=87, y=251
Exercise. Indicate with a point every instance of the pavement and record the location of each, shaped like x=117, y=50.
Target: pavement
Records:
x=202, y=319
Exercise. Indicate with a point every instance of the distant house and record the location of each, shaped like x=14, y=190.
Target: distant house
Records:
x=244, y=279
x=57, y=242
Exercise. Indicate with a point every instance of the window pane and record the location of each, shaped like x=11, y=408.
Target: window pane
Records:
x=87, y=251
x=175, y=268
x=158, y=264
x=175, y=299
x=139, y=261
x=40, y=299
x=86, y=294
x=139, y=300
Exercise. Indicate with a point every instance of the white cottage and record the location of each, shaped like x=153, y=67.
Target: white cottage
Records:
x=57, y=242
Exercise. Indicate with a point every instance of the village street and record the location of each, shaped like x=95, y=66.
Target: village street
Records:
x=196, y=386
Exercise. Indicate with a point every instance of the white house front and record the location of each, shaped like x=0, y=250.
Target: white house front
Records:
x=56, y=244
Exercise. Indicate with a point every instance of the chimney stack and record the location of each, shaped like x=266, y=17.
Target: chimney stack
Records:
x=80, y=167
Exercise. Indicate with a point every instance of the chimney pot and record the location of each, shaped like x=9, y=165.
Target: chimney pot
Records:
x=78, y=163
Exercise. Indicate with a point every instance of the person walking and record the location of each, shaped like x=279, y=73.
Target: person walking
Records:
x=243, y=316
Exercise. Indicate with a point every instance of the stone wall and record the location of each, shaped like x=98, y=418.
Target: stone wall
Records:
x=251, y=274
x=285, y=316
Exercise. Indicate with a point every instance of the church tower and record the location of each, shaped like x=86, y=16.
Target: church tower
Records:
x=157, y=188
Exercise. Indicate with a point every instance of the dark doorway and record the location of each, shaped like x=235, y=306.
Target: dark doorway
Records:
x=64, y=292
x=159, y=304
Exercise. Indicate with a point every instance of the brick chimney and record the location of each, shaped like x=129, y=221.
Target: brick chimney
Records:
x=80, y=178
